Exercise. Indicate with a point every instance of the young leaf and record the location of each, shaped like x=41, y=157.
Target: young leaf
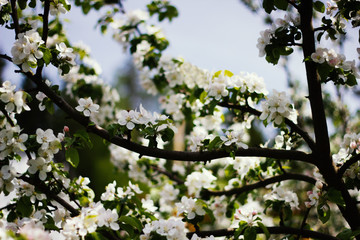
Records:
x=335, y=197
x=268, y=5
x=250, y=233
x=24, y=206
x=281, y=4
x=323, y=212
x=319, y=6
x=72, y=157
x=264, y=229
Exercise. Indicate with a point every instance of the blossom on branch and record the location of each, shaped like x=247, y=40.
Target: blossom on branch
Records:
x=87, y=107
x=276, y=107
x=25, y=51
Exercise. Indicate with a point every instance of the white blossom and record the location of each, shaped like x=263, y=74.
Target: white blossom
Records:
x=190, y=206
x=198, y=180
x=277, y=107
x=66, y=53
x=39, y=165
x=282, y=194
x=25, y=51
x=87, y=107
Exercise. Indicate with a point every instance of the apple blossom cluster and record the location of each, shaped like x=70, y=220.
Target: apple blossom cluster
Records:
x=276, y=108
x=349, y=146
x=247, y=215
x=65, y=53
x=89, y=219
x=146, y=120
x=198, y=180
x=26, y=50
x=190, y=207
x=172, y=228
x=279, y=193
x=57, y=7
x=335, y=60
x=14, y=101
x=313, y=196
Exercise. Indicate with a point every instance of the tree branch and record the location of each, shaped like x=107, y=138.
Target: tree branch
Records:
x=161, y=153
x=303, y=223
x=261, y=184
x=11, y=205
x=288, y=122
x=4, y=56
x=272, y=230
x=347, y=164
x=314, y=85
x=170, y=175
x=322, y=154
x=8, y=118
x=45, y=32
x=43, y=188
x=15, y=18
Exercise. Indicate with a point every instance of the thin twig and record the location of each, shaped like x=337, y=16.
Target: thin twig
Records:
x=43, y=188
x=347, y=164
x=8, y=118
x=8, y=206
x=303, y=223
x=170, y=175
x=4, y=56
x=260, y=184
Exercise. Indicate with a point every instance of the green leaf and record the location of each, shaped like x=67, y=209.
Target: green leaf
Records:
x=132, y=221
x=203, y=96
x=319, y=6
x=49, y=105
x=323, y=212
x=210, y=213
x=72, y=157
x=47, y=55
x=98, y=236
x=11, y=216
x=351, y=80
x=268, y=5
x=264, y=229
x=128, y=228
x=22, y=4
x=324, y=70
x=217, y=74
x=32, y=3
x=24, y=206
x=335, y=197
x=167, y=134
x=346, y=234
x=84, y=139
x=215, y=143
x=250, y=233
x=228, y=73
x=86, y=7
x=281, y=4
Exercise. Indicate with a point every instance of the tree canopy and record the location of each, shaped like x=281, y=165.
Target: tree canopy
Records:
x=204, y=167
